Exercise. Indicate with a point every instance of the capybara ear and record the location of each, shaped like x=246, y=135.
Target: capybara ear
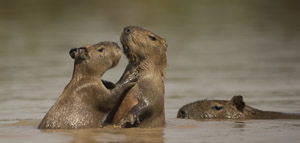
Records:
x=72, y=52
x=238, y=102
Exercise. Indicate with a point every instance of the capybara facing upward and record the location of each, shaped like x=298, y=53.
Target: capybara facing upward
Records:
x=86, y=101
x=143, y=104
x=228, y=109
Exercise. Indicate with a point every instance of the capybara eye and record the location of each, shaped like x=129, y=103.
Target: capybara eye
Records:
x=217, y=108
x=100, y=50
x=152, y=38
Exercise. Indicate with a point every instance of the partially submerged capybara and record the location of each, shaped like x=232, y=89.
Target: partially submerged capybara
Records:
x=86, y=101
x=228, y=109
x=143, y=105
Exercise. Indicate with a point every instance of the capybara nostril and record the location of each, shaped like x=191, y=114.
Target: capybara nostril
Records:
x=127, y=30
x=72, y=52
x=83, y=53
x=82, y=48
x=181, y=114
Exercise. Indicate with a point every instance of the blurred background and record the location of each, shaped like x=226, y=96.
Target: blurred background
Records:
x=217, y=49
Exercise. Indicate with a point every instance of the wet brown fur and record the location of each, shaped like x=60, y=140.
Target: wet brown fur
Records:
x=228, y=109
x=143, y=105
x=86, y=101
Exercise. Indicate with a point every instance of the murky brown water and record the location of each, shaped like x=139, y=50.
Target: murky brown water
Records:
x=217, y=49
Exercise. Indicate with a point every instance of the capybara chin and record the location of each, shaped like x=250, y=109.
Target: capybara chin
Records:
x=143, y=104
x=228, y=109
x=86, y=100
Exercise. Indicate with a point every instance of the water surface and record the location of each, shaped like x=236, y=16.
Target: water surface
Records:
x=217, y=49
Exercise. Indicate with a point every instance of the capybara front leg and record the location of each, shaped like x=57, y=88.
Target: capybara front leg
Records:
x=136, y=115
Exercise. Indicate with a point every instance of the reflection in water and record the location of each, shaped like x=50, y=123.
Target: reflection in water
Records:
x=112, y=135
x=217, y=49
x=240, y=125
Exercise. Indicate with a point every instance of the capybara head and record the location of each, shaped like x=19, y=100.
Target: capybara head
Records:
x=97, y=58
x=213, y=109
x=139, y=44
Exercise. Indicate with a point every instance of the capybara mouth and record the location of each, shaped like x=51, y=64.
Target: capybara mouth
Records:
x=125, y=48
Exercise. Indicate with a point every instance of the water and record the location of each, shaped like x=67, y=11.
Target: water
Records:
x=217, y=49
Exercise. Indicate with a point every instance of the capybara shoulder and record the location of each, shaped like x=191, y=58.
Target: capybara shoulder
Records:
x=228, y=109
x=85, y=101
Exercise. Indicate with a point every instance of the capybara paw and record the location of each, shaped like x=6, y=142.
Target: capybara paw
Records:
x=130, y=81
x=129, y=119
x=132, y=77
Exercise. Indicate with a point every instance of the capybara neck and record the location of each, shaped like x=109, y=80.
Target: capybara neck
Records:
x=147, y=66
x=83, y=71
